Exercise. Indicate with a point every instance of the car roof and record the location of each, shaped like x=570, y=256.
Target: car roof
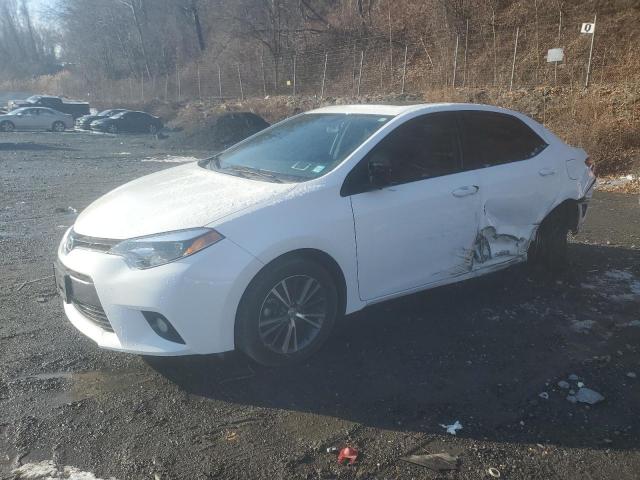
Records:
x=395, y=110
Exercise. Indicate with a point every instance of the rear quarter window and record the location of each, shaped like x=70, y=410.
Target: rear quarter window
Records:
x=493, y=138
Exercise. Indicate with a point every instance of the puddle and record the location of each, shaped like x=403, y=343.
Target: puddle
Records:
x=92, y=384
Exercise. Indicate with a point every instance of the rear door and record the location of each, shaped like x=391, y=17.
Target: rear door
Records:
x=45, y=118
x=518, y=181
x=419, y=228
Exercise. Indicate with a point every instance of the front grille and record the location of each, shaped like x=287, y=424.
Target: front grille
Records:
x=91, y=243
x=95, y=314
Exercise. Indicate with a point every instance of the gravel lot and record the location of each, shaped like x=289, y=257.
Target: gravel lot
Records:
x=480, y=353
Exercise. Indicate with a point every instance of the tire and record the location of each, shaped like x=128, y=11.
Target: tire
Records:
x=112, y=129
x=153, y=129
x=7, y=126
x=549, y=247
x=277, y=326
x=58, y=127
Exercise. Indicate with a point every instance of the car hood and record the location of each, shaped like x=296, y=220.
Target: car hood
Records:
x=182, y=197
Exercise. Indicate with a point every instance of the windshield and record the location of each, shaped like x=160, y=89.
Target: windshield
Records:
x=118, y=115
x=33, y=98
x=17, y=110
x=300, y=148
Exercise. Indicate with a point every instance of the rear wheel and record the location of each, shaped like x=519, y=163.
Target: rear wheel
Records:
x=58, y=127
x=287, y=312
x=153, y=129
x=7, y=126
x=550, y=245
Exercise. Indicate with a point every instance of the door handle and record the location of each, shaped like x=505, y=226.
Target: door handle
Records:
x=465, y=191
x=546, y=172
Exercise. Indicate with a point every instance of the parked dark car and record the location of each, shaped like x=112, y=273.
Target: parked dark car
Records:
x=75, y=109
x=128, y=122
x=84, y=122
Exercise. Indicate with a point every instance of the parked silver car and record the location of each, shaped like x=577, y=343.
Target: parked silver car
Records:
x=35, y=118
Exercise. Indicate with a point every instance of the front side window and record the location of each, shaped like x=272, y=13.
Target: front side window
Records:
x=493, y=138
x=422, y=148
x=301, y=148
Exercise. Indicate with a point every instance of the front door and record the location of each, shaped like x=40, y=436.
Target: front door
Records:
x=420, y=228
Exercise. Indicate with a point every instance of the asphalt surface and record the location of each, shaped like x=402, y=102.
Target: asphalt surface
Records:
x=480, y=353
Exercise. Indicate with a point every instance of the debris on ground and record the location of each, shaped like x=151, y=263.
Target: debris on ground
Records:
x=348, y=454
x=572, y=398
x=494, y=472
x=563, y=384
x=586, y=395
x=332, y=449
x=573, y=377
x=438, y=462
x=631, y=374
x=453, y=428
x=544, y=395
x=66, y=210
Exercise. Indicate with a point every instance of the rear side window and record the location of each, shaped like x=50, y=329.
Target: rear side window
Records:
x=492, y=138
x=424, y=147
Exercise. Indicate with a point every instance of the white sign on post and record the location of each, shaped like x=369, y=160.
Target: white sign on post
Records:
x=588, y=28
x=555, y=55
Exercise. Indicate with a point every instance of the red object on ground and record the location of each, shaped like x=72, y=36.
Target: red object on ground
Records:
x=347, y=453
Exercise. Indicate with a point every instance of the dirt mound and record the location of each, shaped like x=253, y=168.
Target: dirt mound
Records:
x=217, y=131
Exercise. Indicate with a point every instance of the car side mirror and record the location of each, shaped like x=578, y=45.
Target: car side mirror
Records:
x=379, y=171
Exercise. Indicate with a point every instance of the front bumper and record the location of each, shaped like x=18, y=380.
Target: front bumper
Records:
x=199, y=296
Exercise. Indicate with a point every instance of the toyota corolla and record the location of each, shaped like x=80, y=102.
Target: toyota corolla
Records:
x=263, y=246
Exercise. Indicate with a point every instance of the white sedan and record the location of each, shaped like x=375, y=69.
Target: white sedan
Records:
x=35, y=118
x=263, y=246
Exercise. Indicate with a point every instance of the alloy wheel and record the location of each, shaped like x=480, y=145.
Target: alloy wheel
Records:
x=58, y=127
x=7, y=127
x=292, y=314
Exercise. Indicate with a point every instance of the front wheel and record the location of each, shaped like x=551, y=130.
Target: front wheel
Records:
x=112, y=129
x=7, y=126
x=153, y=129
x=287, y=312
x=58, y=127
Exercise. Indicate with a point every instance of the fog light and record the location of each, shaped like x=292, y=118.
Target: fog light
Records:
x=162, y=327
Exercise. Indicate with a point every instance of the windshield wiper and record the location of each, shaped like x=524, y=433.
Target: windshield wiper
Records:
x=248, y=172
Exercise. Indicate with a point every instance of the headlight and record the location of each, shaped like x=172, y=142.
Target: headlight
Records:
x=155, y=250
x=66, y=244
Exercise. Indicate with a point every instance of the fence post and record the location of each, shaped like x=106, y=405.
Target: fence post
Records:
x=219, y=82
x=177, y=83
x=390, y=46
x=593, y=36
x=324, y=74
x=294, y=75
x=142, y=87
x=360, y=72
x=130, y=89
x=264, y=83
x=455, y=62
x=199, y=84
x=495, y=52
x=404, y=67
x=240, y=82
x=166, y=86
x=513, y=64
x=466, y=46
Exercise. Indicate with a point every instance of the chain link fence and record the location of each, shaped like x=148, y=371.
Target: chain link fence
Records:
x=473, y=55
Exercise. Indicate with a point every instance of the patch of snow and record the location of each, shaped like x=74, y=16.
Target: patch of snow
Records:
x=619, y=275
x=48, y=470
x=453, y=428
x=171, y=159
x=582, y=326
